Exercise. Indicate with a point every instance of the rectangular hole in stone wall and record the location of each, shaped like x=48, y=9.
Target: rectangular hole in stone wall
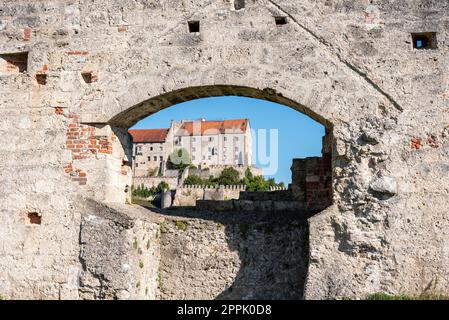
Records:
x=87, y=77
x=424, y=40
x=41, y=79
x=14, y=62
x=194, y=26
x=280, y=21
x=34, y=218
x=239, y=4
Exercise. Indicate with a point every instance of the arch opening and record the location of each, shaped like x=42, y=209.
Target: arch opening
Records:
x=263, y=233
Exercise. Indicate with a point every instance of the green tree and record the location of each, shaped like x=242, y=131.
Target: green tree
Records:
x=229, y=176
x=163, y=186
x=193, y=180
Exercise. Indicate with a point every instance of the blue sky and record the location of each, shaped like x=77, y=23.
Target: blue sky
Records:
x=299, y=136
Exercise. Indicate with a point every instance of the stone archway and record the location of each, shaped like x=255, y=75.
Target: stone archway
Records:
x=118, y=124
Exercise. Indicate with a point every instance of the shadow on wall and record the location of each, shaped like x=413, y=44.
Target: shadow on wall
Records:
x=233, y=255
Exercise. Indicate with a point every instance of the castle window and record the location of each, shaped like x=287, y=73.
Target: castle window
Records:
x=155, y=158
x=424, y=40
x=194, y=26
x=14, y=62
x=280, y=21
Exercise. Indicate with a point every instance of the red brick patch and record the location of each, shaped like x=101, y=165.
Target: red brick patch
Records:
x=26, y=34
x=59, y=111
x=415, y=143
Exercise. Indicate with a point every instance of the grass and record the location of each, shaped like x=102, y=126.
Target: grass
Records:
x=424, y=296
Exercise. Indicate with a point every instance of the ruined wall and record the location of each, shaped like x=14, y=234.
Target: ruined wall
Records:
x=100, y=66
x=203, y=259
x=150, y=182
x=119, y=253
x=128, y=252
x=189, y=195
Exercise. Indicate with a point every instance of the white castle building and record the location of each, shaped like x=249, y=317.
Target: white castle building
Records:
x=208, y=143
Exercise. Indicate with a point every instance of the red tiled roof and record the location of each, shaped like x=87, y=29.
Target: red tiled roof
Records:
x=213, y=127
x=149, y=135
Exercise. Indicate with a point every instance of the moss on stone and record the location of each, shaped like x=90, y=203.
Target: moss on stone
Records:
x=424, y=296
x=181, y=225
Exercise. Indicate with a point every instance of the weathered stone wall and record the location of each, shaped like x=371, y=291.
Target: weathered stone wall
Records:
x=348, y=64
x=128, y=252
x=215, y=171
x=150, y=182
x=203, y=259
x=189, y=195
x=119, y=253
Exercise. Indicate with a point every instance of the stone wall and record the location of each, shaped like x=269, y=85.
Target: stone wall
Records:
x=203, y=259
x=312, y=182
x=128, y=252
x=216, y=170
x=150, y=182
x=119, y=253
x=189, y=195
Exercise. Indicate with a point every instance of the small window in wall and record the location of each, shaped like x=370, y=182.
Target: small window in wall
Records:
x=87, y=77
x=149, y=158
x=239, y=4
x=424, y=40
x=151, y=148
x=194, y=26
x=280, y=21
x=34, y=218
x=14, y=62
x=155, y=158
x=161, y=158
x=41, y=79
